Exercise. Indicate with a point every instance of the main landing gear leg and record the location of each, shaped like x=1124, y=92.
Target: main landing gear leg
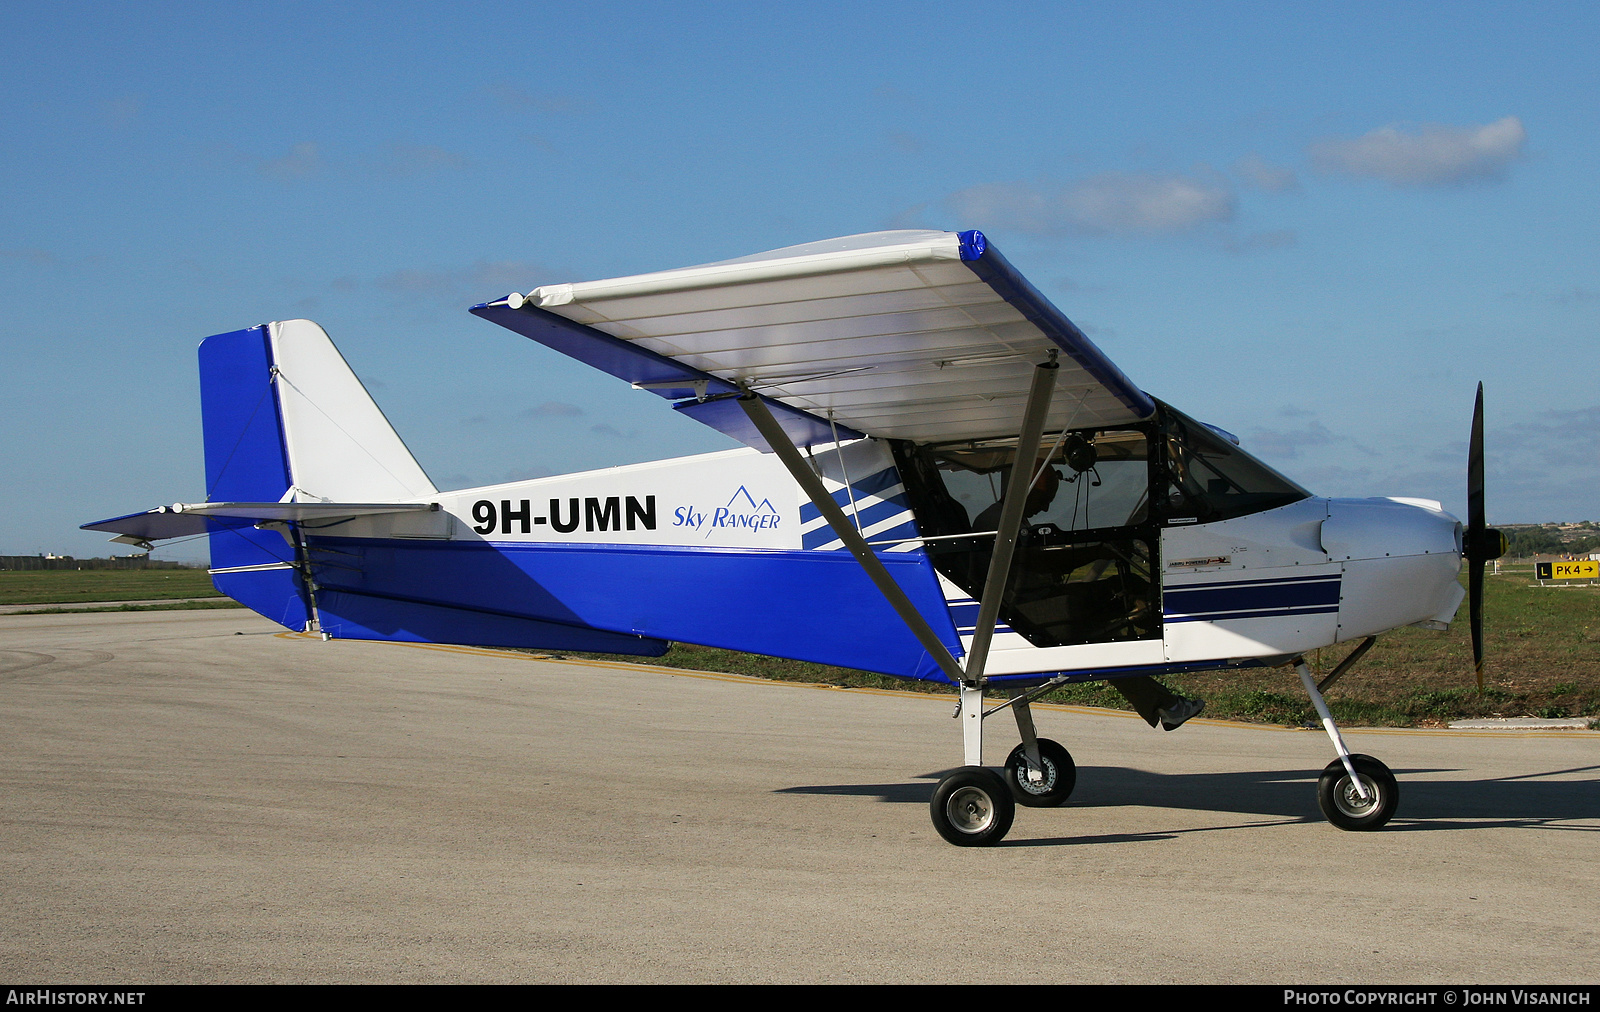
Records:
x=1355, y=792
x=1030, y=738
x=972, y=807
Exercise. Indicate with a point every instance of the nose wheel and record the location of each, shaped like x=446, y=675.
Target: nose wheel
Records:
x=1355, y=809
x=1355, y=792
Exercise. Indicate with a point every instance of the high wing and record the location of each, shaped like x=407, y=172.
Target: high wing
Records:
x=921, y=335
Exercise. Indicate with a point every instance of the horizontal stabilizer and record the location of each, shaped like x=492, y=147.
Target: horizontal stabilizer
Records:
x=188, y=519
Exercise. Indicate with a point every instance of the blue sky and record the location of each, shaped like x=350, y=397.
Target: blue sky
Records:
x=1315, y=225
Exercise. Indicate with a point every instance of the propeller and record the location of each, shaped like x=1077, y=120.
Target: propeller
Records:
x=1480, y=543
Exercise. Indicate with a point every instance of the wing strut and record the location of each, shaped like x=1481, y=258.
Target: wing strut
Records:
x=1018, y=485
x=970, y=681
x=784, y=447
x=1016, y=496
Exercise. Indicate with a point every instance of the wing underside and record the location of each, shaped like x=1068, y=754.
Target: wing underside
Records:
x=918, y=335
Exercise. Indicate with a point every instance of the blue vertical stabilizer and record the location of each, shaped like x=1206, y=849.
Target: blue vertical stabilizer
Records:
x=247, y=461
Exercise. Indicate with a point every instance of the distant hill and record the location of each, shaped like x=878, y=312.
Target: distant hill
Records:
x=1552, y=539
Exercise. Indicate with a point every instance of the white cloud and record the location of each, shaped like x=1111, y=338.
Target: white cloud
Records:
x=1257, y=172
x=301, y=161
x=422, y=159
x=553, y=409
x=520, y=98
x=1432, y=155
x=1574, y=295
x=1112, y=202
x=1542, y=468
x=122, y=110
x=1257, y=241
x=493, y=275
x=483, y=280
x=32, y=254
x=1556, y=439
x=1304, y=440
x=915, y=216
x=1288, y=444
x=527, y=472
x=908, y=143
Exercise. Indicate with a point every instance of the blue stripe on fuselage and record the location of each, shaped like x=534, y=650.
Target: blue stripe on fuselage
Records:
x=813, y=606
x=1259, y=598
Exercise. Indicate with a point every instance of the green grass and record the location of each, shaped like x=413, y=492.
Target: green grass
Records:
x=219, y=603
x=1543, y=648
x=70, y=586
x=1543, y=656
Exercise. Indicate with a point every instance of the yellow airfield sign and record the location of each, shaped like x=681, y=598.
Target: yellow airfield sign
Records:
x=1584, y=569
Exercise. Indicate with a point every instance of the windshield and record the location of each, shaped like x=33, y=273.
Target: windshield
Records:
x=1210, y=479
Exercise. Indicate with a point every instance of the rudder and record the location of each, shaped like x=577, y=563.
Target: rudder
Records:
x=286, y=420
x=247, y=461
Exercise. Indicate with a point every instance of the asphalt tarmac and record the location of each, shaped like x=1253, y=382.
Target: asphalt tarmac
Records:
x=199, y=797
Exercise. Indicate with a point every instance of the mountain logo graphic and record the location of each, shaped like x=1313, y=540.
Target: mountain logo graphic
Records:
x=743, y=511
x=764, y=506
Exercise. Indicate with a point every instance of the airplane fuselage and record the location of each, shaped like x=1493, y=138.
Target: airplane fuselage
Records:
x=723, y=549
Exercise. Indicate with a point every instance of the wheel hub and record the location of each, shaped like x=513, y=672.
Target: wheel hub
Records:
x=970, y=810
x=1041, y=787
x=1349, y=799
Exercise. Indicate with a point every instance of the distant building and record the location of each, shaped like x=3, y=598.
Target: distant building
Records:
x=38, y=562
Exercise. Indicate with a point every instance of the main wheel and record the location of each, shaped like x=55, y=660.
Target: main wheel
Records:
x=972, y=807
x=1060, y=776
x=1344, y=807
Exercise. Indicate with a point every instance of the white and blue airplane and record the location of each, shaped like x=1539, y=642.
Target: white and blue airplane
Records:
x=943, y=479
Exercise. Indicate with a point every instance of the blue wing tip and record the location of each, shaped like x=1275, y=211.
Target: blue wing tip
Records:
x=973, y=243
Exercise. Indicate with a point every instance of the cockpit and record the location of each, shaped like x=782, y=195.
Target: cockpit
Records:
x=1087, y=567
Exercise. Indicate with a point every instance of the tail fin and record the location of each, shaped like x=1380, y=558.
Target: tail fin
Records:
x=287, y=421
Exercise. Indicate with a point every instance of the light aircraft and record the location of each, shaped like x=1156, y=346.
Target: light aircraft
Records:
x=942, y=479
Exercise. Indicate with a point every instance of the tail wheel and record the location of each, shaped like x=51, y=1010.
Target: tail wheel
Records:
x=1060, y=776
x=1343, y=804
x=972, y=807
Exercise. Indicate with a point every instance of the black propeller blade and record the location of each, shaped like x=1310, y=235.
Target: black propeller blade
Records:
x=1480, y=543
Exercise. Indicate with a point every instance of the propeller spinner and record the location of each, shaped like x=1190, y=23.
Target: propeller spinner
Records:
x=1480, y=543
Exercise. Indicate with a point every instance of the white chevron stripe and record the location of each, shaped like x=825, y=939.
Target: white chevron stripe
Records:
x=878, y=528
x=862, y=504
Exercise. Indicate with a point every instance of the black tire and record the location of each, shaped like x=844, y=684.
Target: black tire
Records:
x=1060, y=776
x=972, y=807
x=1344, y=808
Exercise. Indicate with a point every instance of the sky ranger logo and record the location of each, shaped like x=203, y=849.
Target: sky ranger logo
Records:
x=741, y=511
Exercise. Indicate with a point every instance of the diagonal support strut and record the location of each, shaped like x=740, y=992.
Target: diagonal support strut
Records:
x=969, y=681
x=1011, y=515
x=787, y=452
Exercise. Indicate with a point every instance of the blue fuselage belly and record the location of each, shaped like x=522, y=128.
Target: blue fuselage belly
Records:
x=814, y=606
